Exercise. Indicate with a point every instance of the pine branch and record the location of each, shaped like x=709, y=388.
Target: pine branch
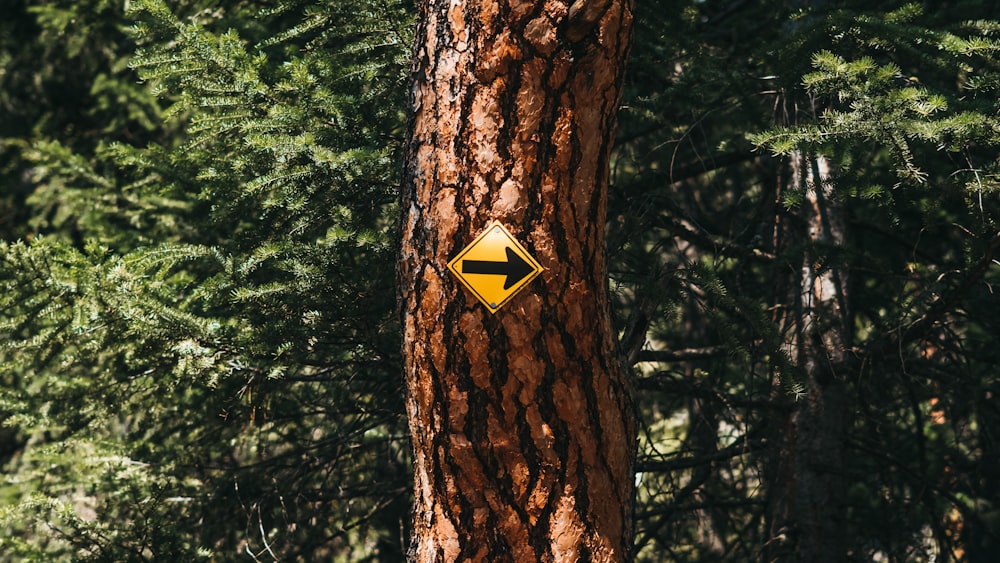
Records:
x=739, y=448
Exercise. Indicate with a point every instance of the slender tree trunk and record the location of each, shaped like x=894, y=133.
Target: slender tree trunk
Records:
x=9, y=443
x=808, y=487
x=980, y=535
x=703, y=437
x=521, y=421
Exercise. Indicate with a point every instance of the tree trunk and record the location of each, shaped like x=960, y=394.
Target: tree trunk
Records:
x=521, y=421
x=807, y=489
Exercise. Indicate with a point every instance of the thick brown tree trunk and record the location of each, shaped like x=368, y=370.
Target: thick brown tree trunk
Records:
x=807, y=488
x=521, y=420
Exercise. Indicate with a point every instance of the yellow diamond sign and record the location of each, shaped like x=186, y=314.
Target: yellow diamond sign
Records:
x=494, y=266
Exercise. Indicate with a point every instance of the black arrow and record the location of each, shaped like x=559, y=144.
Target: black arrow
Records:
x=515, y=268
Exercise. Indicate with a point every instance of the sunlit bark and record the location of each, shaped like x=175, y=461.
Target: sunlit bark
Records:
x=807, y=489
x=521, y=421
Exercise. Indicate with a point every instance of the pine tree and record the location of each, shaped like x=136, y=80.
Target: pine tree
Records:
x=520, y=414
x=207, y=367
x=890, y=94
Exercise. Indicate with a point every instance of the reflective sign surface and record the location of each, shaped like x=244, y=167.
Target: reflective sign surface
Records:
x=494, y=267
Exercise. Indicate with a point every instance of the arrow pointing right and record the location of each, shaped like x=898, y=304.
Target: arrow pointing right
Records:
x=515, y=268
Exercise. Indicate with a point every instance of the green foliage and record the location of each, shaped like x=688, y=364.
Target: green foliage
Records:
x=707, y=242
x=63, y=76
x=200, y=355
x=877, y=105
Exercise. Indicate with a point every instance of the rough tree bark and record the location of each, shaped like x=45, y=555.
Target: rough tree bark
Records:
x=521, y=421
x=808, y=488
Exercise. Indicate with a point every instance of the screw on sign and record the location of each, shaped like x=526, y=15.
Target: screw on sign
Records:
x=494, y=267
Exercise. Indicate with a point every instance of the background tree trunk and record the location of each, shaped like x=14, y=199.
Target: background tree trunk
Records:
x=807, y=490
x=521, y=421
